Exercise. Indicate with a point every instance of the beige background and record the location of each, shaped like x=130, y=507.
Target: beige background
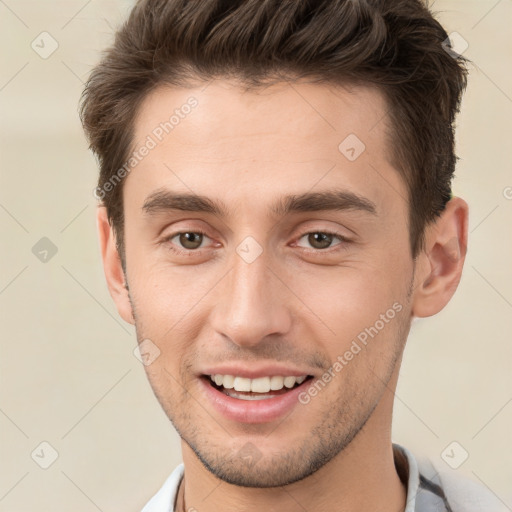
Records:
x=68, y=373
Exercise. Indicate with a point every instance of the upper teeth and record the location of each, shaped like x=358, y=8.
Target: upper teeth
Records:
x=259, y=385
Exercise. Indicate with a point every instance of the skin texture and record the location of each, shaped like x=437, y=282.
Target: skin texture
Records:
x=299, y=303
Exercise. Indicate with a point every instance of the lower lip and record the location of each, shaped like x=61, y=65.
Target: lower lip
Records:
x=253, y=411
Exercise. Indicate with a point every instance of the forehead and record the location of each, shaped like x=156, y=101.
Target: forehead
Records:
x=226, y=112
x=219, y=137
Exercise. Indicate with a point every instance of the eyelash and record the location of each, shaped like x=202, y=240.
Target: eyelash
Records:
x=342, y=245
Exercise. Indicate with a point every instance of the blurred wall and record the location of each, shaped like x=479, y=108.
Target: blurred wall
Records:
x=69, y=377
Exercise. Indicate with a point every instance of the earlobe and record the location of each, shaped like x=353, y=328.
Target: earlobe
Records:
x=112, y=266
x=442, y=260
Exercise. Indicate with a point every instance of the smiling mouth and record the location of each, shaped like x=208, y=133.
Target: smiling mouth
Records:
x=262, y=388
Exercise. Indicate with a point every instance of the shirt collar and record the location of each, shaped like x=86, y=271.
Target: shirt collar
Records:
x=407, y=469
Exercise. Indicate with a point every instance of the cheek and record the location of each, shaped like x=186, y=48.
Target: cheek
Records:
x=163, y=292
x=348, y=299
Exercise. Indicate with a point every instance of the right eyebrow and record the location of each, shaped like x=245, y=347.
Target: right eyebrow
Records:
x=163, y=200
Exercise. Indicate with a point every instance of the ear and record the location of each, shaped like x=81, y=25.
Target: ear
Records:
x=112, y=266
x=440, y=264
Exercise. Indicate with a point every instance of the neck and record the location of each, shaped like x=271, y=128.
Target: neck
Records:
x=361, y=477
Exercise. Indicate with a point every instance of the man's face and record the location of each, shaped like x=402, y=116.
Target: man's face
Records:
x=268, y=291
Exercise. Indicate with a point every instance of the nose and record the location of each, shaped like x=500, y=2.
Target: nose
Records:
x=251, y=303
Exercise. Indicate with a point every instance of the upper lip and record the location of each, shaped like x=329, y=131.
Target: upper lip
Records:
x=254, y=371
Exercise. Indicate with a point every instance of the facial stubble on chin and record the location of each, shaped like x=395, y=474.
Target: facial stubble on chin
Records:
x=340, y=422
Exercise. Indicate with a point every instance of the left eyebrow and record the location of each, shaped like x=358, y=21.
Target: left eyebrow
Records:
x=163, y=200
x=323, y=201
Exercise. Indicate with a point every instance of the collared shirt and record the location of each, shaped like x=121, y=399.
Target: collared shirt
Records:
x=428, y=489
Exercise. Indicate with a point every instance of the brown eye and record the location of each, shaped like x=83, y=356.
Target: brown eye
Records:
x=190, y=240
x=185, y=242
x=322, y=239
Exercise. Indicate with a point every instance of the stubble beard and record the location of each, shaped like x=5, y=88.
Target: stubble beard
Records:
x=340, y=420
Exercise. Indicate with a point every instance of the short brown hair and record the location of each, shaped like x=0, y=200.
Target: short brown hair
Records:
x=394, y=45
